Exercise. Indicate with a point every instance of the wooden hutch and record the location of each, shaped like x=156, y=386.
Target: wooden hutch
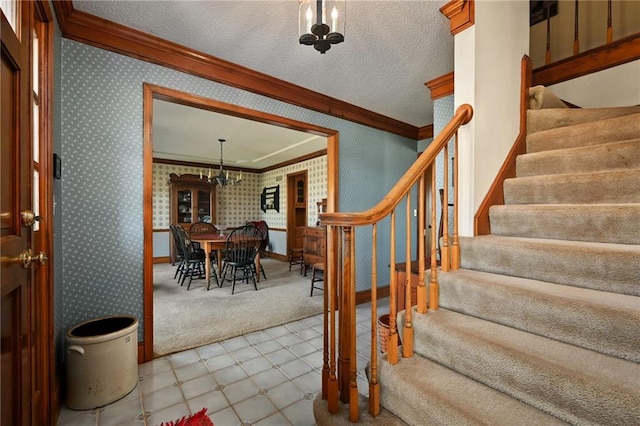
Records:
x=191, y=200
x=315, y=239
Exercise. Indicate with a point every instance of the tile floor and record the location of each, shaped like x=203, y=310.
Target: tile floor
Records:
x=268, y=377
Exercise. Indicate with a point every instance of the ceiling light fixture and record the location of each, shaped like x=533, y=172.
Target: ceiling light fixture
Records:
x=222, y=178
x=312, y=15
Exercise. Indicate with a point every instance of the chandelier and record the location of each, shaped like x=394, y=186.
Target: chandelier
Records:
x=222, y=178
x=313, y=23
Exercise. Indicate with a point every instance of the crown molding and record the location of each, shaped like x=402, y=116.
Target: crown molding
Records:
x=98, y=32
x=461, y=14
x=441, y=86
x=297, y=160
x=425, y=132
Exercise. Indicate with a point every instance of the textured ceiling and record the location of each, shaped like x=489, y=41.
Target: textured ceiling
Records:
x=391, y=47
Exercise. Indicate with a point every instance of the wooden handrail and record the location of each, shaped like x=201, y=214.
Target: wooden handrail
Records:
x=339, y=376
x=596, y=58
x=462, y=116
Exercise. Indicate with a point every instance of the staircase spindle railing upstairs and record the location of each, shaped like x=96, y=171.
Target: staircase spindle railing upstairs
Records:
x=339, y=373
x=590, y=34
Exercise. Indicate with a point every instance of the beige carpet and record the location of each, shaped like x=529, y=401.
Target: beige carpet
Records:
x=187, y=319
x=540, y=326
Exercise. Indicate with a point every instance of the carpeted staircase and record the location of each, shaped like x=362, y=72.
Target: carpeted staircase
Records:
x=542, y=324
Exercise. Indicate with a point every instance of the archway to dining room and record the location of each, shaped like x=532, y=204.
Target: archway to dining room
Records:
x=156, y=93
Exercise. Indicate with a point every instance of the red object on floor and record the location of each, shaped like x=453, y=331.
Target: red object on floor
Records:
x=198, y=419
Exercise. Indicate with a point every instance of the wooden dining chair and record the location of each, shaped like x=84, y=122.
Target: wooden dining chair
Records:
x=241, y=250
x=264, y=228
x=204, y=228
x=193, y=259
x=179, y=256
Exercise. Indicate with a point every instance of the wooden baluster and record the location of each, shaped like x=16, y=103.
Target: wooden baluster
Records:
x=548, y=52
x=325, y=320
x=392, y=344
x=407, y=333
x=374, y=386
x=350, y=243
x=433, y=282
x=333, y=267
x=609, y=25
x=344, y=329
x=455, y=245
x=444, y=251
x=421, y=292
x=576, y=40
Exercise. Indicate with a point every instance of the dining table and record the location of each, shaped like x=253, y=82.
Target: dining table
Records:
x=215, y=241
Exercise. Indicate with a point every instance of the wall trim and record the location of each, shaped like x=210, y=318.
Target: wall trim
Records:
x=94, y=31
x=461, y=14
x=276, y=256
x=297, y=160
x=425, y=132
x=151, y=92
x=441, y=86
x=364, y=296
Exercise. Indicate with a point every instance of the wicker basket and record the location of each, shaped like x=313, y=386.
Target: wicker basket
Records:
x=383, y=333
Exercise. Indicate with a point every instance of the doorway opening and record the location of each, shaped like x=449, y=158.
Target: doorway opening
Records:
x=152, y=92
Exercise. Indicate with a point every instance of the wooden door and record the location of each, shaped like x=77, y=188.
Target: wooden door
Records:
x=296, y=209
x=25, y=319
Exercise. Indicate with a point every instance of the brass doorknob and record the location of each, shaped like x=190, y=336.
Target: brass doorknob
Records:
x=41, y=258
x=26, y=258
x=29, y=217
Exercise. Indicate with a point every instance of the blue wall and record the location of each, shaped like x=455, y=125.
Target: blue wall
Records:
x=443, y=111
x=101, y=197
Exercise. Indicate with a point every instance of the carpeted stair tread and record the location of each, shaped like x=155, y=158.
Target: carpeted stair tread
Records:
x=611, y=156
x=546, y=310
x=604, y=223
x=576, y=188
x=551, y=118
x=593, y=133
x=596, y=320
x=438, y=396
x=598, y=266
x=540, y=97
x=574, y=384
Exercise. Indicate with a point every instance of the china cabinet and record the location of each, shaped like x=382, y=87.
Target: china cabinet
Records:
x=191, y=200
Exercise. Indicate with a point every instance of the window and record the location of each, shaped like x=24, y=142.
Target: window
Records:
x=10, y=10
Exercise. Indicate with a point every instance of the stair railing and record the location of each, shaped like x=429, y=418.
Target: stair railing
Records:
x=339, y=372
x=597, y=56
x=576, y=27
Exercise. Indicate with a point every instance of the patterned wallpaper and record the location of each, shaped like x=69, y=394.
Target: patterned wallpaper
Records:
x=239, y=204
x=316, y=189
x=101, y=145
x=443, y=110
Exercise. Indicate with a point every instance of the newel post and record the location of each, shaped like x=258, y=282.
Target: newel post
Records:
x=345, y=300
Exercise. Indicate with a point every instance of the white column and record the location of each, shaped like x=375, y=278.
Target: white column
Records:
x=487, y=76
